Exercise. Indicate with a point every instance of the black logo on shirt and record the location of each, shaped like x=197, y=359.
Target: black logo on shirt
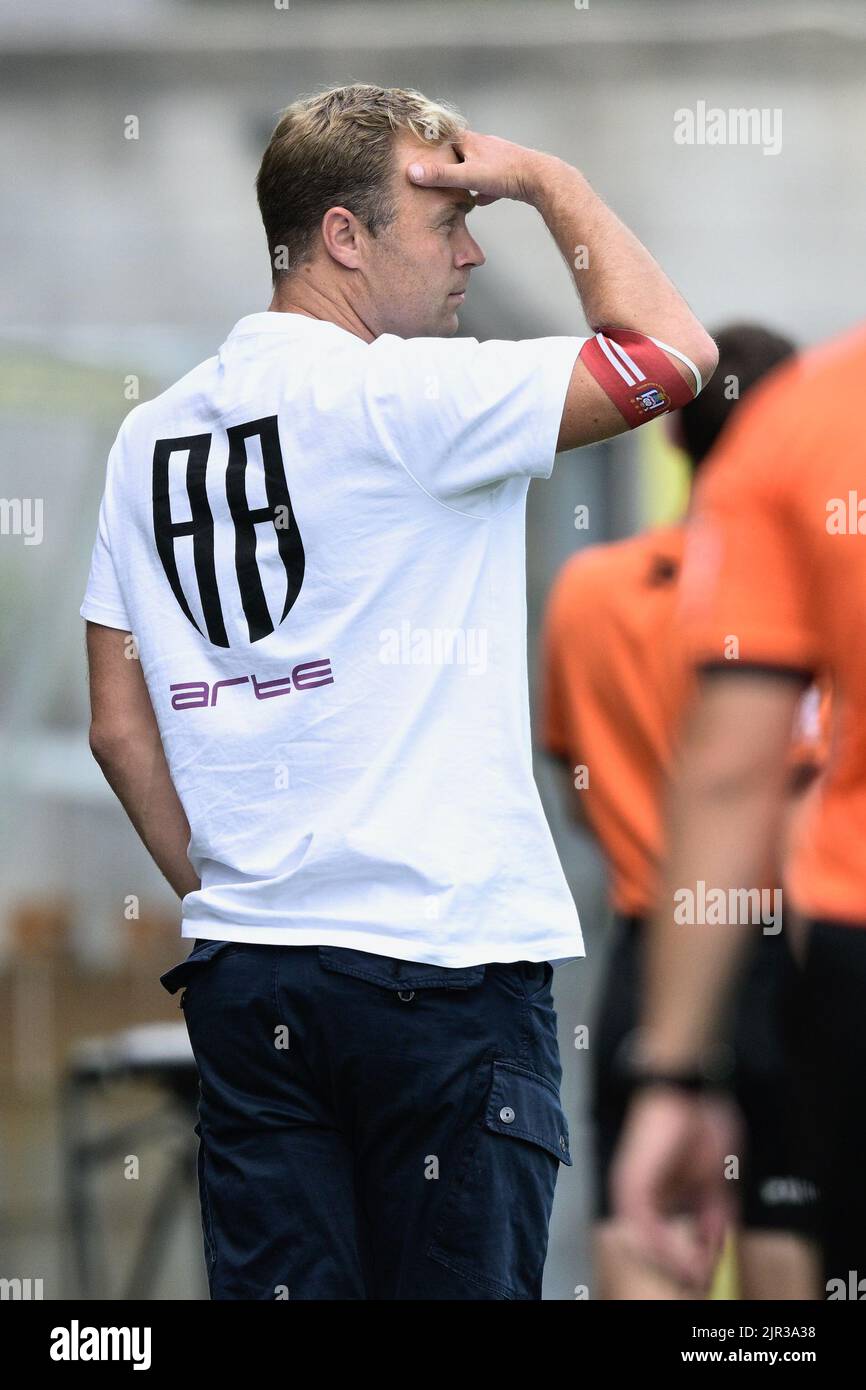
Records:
x=200, y=526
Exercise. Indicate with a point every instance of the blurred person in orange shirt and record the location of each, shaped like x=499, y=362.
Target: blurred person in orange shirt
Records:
x=615, y=686
x=774, y=590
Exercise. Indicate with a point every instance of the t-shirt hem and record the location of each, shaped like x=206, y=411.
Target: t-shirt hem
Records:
x=556, y=950
x=770, y=666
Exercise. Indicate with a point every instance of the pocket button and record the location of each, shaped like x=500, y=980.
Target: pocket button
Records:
x=506, y=1115
x=407, y=995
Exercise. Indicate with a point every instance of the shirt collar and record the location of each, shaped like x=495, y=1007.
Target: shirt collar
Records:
x=274, y=321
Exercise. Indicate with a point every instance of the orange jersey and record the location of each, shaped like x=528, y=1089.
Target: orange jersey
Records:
x=775, y=576
x=614, y=680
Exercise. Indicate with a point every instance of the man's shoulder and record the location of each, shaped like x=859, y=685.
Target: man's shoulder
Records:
x=165, y=406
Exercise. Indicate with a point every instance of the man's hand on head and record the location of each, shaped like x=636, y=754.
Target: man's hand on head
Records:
x=487, y=166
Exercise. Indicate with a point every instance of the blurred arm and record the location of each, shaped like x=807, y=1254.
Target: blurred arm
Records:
x=125, y=741
x=724, y=821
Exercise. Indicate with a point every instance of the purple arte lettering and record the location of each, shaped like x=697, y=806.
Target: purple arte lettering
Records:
x=193, y=695
x=307, y=675
x=217, y=685
x=267, y=690
x=312, y=673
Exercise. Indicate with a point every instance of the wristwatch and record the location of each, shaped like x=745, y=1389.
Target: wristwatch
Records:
x=692, y=1082
x=713, y=1074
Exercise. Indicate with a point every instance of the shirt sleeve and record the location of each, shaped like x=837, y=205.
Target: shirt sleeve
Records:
x=103, y=601
x=745, y=582
x=463, y=417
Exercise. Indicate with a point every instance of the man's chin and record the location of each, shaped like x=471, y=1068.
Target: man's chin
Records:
x=445, y=327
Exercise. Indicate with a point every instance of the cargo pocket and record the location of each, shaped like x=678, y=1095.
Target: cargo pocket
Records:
x=202, y=952
x=402, y=977
x=537, y=977
x=493, y=1226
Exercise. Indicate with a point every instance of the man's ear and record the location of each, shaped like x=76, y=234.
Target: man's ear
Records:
x=340, y=236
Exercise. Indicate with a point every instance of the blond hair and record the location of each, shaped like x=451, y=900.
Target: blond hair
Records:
x=334, y=149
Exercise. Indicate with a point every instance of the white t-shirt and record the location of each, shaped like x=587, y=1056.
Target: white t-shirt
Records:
x=319, y=546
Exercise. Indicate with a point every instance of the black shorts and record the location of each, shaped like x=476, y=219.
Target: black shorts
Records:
x=834, y=1077
x=777, y=1183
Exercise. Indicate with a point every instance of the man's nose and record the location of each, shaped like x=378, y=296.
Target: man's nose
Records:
x=472, y=253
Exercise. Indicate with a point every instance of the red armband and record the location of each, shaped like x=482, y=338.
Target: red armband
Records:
x=634, y=372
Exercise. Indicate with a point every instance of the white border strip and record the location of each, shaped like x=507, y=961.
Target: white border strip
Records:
x=682, y=356
x=618, y=348
x=603, y=344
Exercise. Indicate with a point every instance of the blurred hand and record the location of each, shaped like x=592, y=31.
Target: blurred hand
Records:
x=491, y=167
x=670, y=1165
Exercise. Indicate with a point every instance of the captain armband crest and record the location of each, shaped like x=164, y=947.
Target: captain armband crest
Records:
x=633, y=371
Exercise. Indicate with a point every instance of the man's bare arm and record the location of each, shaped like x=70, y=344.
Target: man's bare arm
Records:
x=621, y=284
x=618, y=282
x=725, y=819
x=723, y=828
x=125, y=741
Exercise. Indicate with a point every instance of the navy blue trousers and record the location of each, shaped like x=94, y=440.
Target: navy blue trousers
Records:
x=372, y=1128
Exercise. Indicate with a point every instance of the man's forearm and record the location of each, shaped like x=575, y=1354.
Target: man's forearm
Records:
x=690, y=970
x=134, y=765
x=723, y=836
x=619, y=283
